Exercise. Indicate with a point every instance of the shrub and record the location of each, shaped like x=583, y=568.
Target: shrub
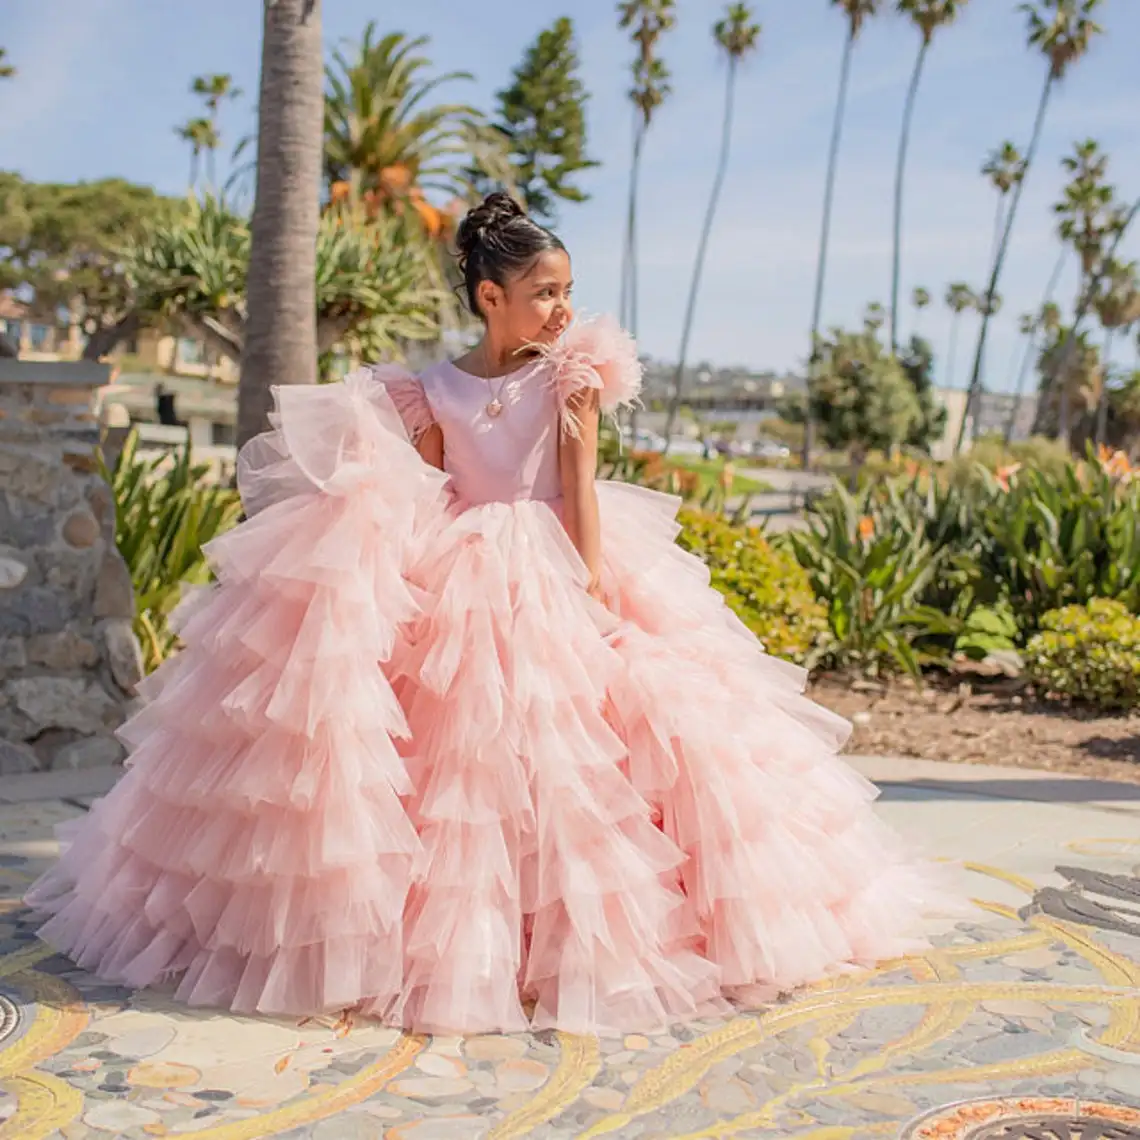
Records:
x=763, y=585
x=1088, y=653
x=165, y=512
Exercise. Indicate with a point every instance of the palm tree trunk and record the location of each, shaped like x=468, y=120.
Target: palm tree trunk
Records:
x=825, y=232
x=627, y=311
x=702, y=250
x=193, y=170
x=952, y=350
x=1003, y=250
x=1030, y=351
x=281, y=329
x=1102, y=398
x=900, y=178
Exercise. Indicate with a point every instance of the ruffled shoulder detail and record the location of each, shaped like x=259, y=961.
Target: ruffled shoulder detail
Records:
x=330, y=437
x=407, y=394
x=596, y=354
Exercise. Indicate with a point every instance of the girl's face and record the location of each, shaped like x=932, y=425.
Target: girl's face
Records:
x=533, y=308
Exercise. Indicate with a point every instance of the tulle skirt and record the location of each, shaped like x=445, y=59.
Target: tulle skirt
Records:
x=404, y=763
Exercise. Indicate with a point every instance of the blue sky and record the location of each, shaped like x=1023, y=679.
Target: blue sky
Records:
x=102, y=82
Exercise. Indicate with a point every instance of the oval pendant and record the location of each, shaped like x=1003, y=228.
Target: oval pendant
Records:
x=494, y=409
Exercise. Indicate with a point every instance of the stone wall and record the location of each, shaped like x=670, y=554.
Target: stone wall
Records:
x=69, y=661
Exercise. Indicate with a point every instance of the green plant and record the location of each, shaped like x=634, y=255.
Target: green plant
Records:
x=165, y=512
x=873, y=574
x=1088, y=653
x=986, y=630
x=762, y=584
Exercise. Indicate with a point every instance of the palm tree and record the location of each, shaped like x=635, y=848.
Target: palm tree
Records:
x=737, y=35
x=646, y=21
x=214, y=89
x=387, y=145
x=1004, y=168
x=201, y=136
x=857, y=13
x=1118, y=306
x=6, y=69
x=928, y=16
x=281, y=326
x=1047, y=321
x=921, y=299
x=1062, y=30
x=959, y=298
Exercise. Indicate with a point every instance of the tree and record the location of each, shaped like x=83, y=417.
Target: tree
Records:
x=1062, y=31
x=1118, y=306
x=214, y=89
x=646, y=21
x=1048, y=319
x=930, y=423
x=201, y=136
x=737, y=35
x=59, y=248
x=280, y=343
x=927, y=16
x=373, y=285
x=921, y=299
x=389, y=145
x=959, y=298
x=542, y=116
x=860, y=395
x=1005, y=169
x=7, y=71
x=857, y=13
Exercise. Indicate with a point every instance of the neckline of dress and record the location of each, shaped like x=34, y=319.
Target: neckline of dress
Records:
x=501, y=378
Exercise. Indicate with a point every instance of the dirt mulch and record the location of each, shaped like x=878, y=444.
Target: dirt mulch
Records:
x=983, y=721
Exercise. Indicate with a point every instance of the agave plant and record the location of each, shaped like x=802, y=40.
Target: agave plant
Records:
x=165, y=513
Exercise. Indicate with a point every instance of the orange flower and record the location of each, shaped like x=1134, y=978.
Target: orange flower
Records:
x=866, y=528
x=1004, y=475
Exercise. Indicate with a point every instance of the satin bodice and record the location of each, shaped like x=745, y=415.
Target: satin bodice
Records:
x=500, y=458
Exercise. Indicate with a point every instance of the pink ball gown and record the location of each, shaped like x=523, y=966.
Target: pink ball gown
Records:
x=405, y=763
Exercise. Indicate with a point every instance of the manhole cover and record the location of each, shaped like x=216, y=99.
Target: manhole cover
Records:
x=1028, y=1118
x=9, y=1018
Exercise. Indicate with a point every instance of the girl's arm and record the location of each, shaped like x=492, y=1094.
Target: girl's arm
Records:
x=578, y=459
x=430, y=446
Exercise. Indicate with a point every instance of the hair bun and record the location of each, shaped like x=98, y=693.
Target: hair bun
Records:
x=493, y=214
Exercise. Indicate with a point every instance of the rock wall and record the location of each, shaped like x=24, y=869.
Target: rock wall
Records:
x=69, y=661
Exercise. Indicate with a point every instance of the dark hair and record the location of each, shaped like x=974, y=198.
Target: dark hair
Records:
x=497, y=241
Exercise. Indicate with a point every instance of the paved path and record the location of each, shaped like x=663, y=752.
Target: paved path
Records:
x=1029, y=1008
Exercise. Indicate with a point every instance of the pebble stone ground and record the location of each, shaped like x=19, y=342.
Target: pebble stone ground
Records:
x=1026, y=1010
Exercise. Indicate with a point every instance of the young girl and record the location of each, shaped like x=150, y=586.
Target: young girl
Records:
x=462, y=739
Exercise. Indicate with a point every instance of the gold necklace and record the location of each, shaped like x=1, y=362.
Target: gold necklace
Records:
x=495, y=406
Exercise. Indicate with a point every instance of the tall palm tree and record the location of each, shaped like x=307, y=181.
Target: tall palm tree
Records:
x=646, y=21
x=1047, y=321
x=214, y=89
x=928, y=16
x=857, y=13
x=1118, y=306
x=921, y=299
x=201, y=136
x=1004, y=168
x=280, y=343
x=959, y=298
x=6, y=69
x=1062, y=31
x=387, y=142
x=737, y=35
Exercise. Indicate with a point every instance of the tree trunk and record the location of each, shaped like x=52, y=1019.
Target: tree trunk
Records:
x=281, y=327
x=900, y=178
x=104, y=341
x=1102, y=398
x=1030, y=351
x=702, y=250
x=634, y=186
x=952, y=350
x=628, y=255
x=825, y=233
x=1003, y=249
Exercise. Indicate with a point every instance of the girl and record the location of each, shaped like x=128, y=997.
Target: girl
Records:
x=465, y=741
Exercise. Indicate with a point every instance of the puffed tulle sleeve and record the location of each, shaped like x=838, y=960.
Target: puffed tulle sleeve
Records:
x=407, y=394
x=596, y=354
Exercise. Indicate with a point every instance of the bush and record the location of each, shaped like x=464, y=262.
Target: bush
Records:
x=764, y=586
x=1088, y=653
x=165, y=512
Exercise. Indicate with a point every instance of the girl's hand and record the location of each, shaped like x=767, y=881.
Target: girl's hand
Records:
x=594, y=589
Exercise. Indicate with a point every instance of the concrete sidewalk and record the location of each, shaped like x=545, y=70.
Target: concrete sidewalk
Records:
x=1025, y=1015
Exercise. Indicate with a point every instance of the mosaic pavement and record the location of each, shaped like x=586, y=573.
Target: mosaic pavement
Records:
x=1022, y=1024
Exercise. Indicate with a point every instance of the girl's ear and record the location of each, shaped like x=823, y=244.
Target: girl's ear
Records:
x=491, y=296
